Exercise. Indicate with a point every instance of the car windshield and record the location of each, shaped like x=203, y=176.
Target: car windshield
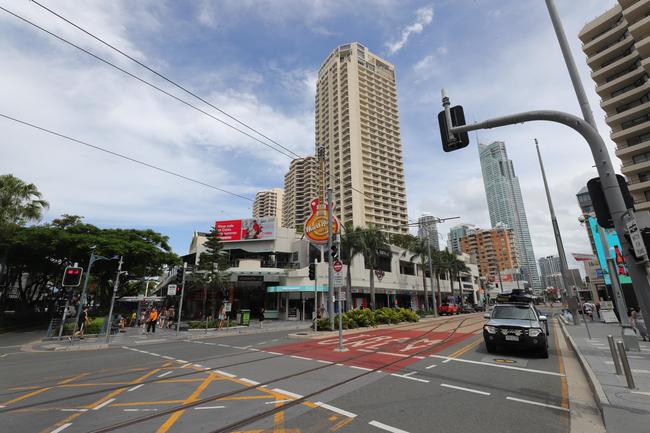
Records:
x=513, y=312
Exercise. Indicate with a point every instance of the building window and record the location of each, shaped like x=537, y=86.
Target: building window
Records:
x=644, y=176
x=647, y=195
x=642, y=157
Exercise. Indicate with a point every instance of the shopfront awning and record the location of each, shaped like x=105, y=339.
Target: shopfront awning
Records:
x=286, y=289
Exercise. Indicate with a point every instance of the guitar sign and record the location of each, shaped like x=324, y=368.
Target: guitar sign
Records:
x=315, y=226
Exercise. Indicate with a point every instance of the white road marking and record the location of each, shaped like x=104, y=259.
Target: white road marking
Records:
x=290, y=394
x=208, y=407
x=274, y=353
x=223, y=373
x=136, y=387
x=409, y=374
x=360, y=368
x=154, y=354
x=386, y=427
x=181, y=361
x=339, y=364
x=536, y=403
x=240, y=347
x=254, y=349
x=401, y=355
x=365, y=350
x=301, y=357
x=277, y=401
x=431, y=366
x=223, y=345
x=252, y=382
x=640, y=392
x=418, y=357
x=324, y=362
x=106, y=403
x=165, y=373
x=186, y=365
x=198, y=365
x=168, y=357
x=140, y=410
x=150, y=341
x=336, y=409
x=74, y=410
x=465, y=389
x=63, y=427
x=409, y=377
x=469, y=361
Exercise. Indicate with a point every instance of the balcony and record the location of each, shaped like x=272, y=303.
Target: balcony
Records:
x=625, y=152
x=624, y=134
x=610, y=105
x=626, y=77
x=636, y=11
x=632, y=168
x=643, y=47
x=640, y=29
x=610, y=36
x=600, y=75
x=607, y=55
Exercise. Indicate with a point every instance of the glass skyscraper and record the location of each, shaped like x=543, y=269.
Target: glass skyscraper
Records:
x=506, y=204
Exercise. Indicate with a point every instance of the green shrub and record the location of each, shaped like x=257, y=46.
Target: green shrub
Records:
x=387, y=315
x=362, y=318
x=94, y=327
x=408, y=315
x=324, y=324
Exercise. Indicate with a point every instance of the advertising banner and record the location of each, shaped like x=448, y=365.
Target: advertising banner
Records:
x=315, y=226
x=614, y=251
x=246, y=229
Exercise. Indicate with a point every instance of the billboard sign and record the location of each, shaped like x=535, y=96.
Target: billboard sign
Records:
x=249, y=229
x=315, y=227
x=506, y=278
x=615, y=252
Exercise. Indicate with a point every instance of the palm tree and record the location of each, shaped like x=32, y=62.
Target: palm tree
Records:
x=373, y=240
x=20, y=202
x=418, y=249
x=456, y=268
x=351, y=245
x=442, y=264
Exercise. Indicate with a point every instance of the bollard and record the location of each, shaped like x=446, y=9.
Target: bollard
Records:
x=612, y=348
x=626, y=365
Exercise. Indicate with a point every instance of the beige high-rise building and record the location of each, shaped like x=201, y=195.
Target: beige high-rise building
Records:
x=357, y=125
x=300, y=186
x=617, y=45
x=268, y=203
x=495, y=249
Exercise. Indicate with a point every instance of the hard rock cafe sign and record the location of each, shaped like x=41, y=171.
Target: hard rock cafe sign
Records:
x=315, y=226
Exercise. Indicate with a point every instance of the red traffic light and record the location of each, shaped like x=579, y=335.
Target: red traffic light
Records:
x=72, y=276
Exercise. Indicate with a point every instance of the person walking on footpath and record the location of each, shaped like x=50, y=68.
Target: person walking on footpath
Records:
x=638, y=324
x=262, y=317
x=151, y=324
x=170, y=316
x=222, y=315
x=81, y=325
x=163, y=317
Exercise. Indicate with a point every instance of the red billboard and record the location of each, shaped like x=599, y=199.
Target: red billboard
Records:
x=246, y=229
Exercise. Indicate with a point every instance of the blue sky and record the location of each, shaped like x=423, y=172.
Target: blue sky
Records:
x=258, y=60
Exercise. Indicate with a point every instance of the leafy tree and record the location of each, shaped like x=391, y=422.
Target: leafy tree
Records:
x=373, y=240
x=418, y=249
x=212, y=275
x=351, y=245
x=456, y=268
x=20, y=202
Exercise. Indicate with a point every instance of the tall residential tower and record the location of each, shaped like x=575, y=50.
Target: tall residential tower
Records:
x=300, y=186
x=268, y=203
x=357, y=125
x=506, y=204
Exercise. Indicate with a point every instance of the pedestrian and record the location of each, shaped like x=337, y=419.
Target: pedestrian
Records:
x=133, y=322
x=153, y=317
x=222, y=315
x=638, y=324
x=170, y=317
x=143, y=319
x=261, y=316
x=81, y=324
x=598, y=310
x=163, y=317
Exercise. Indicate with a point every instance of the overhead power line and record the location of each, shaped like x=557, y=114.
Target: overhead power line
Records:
x=119, y=155
x=169, y=80
x=142, y=80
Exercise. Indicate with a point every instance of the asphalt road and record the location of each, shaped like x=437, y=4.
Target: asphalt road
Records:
x=434, y=375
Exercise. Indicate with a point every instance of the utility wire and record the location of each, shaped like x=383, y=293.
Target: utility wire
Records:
x=169, y=80
x=119, y=155
x=145, y=82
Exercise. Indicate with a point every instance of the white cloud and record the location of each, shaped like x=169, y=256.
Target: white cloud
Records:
x=424, y=17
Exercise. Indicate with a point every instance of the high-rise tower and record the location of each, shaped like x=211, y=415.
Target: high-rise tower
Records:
x=300, y=186
x=506, y=204
x=357, y=124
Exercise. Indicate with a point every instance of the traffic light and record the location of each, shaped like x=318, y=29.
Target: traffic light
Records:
x=457, y=119
x=599, y=202
x=335, y=252
x=179, y=275
x=72, y=276
x=312, y=271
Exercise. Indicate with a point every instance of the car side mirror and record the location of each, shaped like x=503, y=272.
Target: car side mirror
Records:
x=486, y=316
x=543, y=318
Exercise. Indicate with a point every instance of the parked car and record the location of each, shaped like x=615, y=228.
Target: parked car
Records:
x=448, y=309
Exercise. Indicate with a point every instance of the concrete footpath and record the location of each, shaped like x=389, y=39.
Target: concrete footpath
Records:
x=134, y=336
x=623, y=410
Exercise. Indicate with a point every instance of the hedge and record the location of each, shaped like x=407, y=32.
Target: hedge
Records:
x=94, y=327
x=365, y=318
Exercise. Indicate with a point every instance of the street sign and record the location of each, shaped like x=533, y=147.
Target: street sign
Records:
x=340, y=297
x=227, y=307
x=337, y=265
x=171, y=289
x=338, y=279
x=637, y=238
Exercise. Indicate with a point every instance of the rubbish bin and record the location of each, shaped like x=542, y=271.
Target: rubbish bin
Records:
x=245, y=317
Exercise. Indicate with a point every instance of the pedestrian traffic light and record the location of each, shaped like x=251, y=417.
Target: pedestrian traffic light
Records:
x=72, y=276
x=457, y=119
x=599, y=202
x=312, y=271
x=179, y=275
x=335, y=252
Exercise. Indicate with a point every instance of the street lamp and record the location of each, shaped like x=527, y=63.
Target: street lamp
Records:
x=82, y=299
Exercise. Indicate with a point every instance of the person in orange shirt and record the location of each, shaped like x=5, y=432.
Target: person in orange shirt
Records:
x=151, y=322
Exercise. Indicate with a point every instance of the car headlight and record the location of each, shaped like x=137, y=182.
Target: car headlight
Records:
x=534, y=332
x=490, y=329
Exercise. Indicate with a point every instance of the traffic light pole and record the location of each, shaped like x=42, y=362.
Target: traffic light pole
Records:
x=433, y=295
x=606, y=172
x=315, y=295
x=180, y=303
x=330, y=274
x=82, y=299
x=110, y=311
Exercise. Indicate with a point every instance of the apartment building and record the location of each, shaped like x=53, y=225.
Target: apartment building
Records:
x=300, y=186
x=268, y=203
x=428, y=229
x=493, y=249
x=358, y=130
x=454, y=236
x=617, y=46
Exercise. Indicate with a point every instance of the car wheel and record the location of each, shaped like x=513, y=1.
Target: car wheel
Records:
x=490, y=347
x=544, y=353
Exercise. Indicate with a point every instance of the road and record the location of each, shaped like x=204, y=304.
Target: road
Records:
x=434, y=375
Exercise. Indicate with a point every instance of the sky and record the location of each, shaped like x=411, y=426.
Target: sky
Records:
x=258, y=61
